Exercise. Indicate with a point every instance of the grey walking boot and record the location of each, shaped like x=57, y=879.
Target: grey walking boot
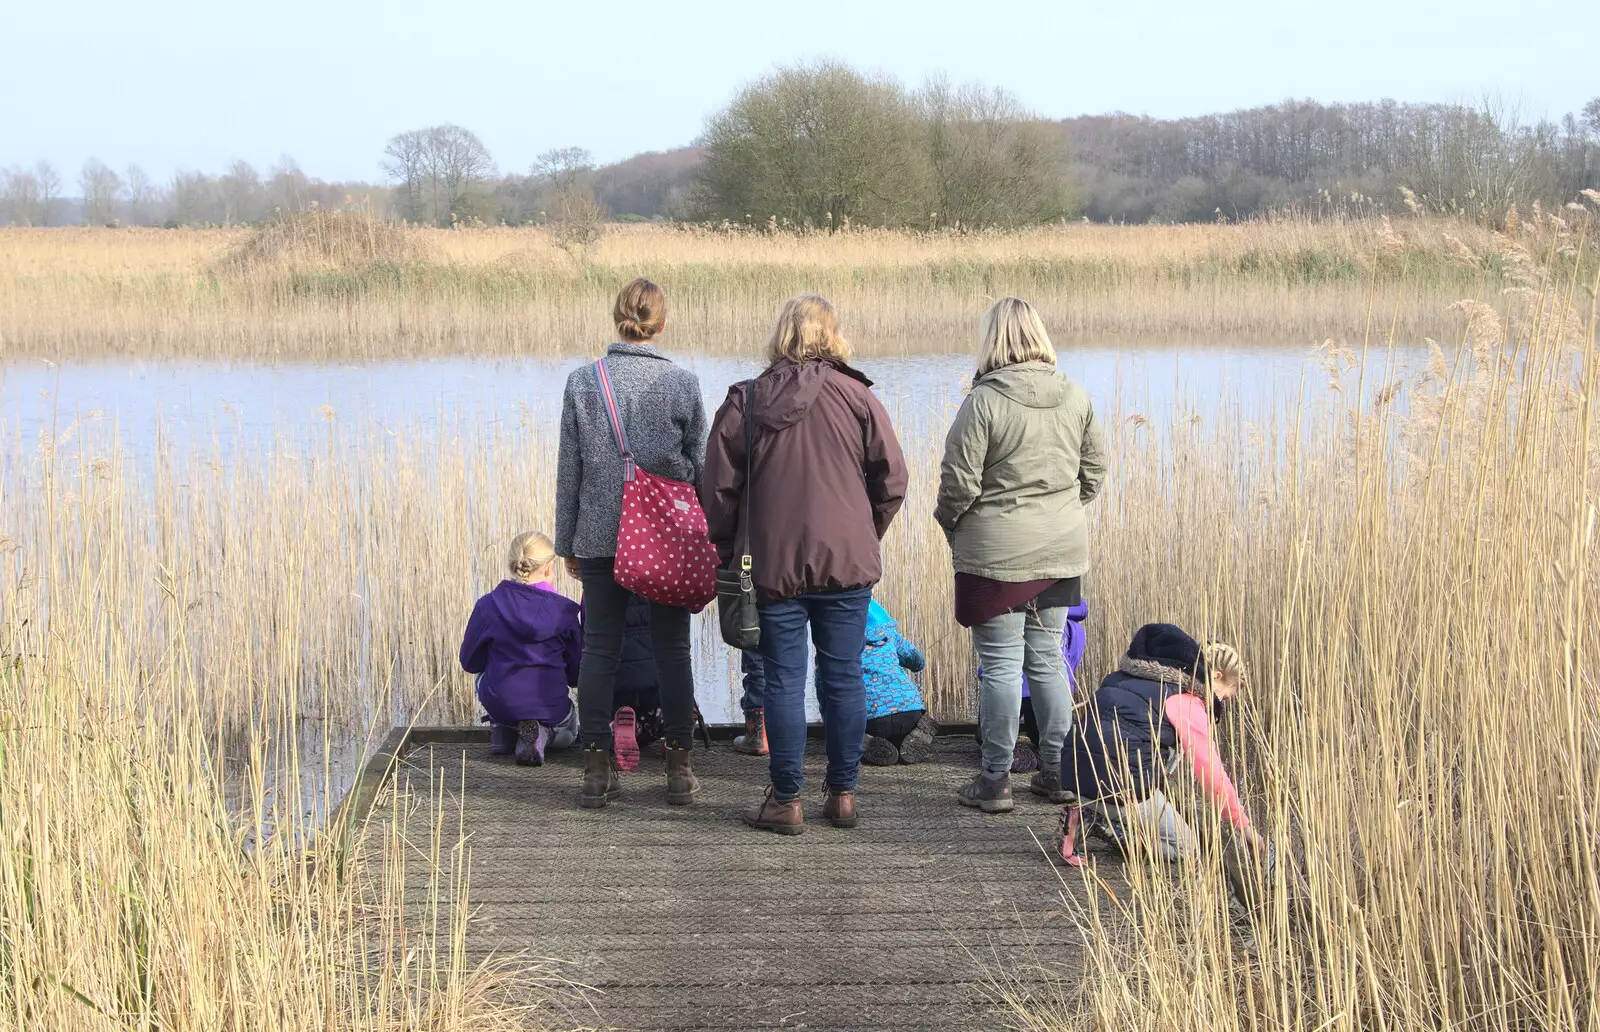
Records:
x=990, y=793
x=1047, y=783
x=682, y=785
x=600, y=781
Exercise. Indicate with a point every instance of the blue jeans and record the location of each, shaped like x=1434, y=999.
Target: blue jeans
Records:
x=755, y=681
x=839, y=631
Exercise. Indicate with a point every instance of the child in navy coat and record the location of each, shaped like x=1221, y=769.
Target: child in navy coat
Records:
x=524, y=641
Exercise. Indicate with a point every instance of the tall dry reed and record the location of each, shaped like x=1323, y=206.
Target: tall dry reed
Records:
x=332, y=286
x=1414, y=588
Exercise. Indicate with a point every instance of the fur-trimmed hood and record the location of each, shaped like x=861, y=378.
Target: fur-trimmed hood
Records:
x=1150, y=670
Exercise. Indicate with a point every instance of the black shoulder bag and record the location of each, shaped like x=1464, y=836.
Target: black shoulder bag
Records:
x=736, y=589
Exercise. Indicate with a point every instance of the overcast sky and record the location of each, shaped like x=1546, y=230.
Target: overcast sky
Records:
x=176, y=84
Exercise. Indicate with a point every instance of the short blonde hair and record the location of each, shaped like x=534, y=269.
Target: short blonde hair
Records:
x=640, y=312
x=808, y=327
x=530, y=552
x=1012, y=333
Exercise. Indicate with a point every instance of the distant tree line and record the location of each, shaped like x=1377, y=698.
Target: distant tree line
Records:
x=102, y=196
x=826, y=146
x=1299, y=154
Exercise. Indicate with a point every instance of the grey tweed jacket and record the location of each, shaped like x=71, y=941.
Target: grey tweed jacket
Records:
x=665, y=419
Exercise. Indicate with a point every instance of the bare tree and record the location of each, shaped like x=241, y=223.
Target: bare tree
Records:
x=239, y=192
x=565, y=179
x=49, y=190
x=437, y=169
x=100, y=188
x=288, y=188
x=19, y=196
x=142, y=196
x=192, y=198
x=992, y=162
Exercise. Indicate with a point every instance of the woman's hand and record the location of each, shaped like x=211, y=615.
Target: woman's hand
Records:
x=1257, y=844
x=571, y=565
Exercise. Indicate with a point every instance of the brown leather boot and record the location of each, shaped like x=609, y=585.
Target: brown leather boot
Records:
x=754, y=740
x=840, y=808
x=600, y=781
x=771, y=815
x=682, y=785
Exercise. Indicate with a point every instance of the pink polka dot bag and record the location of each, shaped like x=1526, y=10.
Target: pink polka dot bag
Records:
x=663, y=551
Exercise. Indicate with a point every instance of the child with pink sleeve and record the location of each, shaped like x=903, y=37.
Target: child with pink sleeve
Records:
x=1153, y=714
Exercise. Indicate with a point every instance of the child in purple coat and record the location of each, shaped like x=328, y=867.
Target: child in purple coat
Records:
x=524, y=642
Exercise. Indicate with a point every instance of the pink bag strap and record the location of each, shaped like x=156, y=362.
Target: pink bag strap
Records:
x=615, y=415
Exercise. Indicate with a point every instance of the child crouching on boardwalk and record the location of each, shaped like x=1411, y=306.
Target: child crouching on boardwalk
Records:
x=1146, y=723
x=524, y=642
x=899, y=729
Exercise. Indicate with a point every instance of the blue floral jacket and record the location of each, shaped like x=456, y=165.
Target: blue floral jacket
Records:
x=887, y=663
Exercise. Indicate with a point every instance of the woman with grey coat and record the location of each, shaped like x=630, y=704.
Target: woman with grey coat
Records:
x=661, y=409
x=1022, y=460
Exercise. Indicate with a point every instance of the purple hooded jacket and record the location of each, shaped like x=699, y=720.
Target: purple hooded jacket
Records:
x=526, y=640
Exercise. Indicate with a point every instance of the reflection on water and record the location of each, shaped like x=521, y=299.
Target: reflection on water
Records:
x=207, y=405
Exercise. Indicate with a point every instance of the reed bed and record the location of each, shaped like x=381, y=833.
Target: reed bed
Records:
x=1408, y=566
x=1414, y=586
x=337, y=285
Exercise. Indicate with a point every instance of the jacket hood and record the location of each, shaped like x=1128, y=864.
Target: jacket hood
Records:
x=526, y=608
x=879, y=623
x=1035, y=385
x=786, y=391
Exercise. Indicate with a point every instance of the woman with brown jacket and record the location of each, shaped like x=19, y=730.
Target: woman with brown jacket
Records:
x=827, y=478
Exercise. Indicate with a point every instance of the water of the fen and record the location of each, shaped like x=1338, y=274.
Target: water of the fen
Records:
x=229, y=408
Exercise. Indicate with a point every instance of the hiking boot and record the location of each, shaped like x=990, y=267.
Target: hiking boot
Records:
x=754, y=740
x=840, y=807
x=990, y=793
x=682, y=785
x=532, y=740
x=502, y=739
x=625, y=739
x=918, y=742
x=1047, y=783
x=771, y=815
x=879, y=752
x=600, y=781
x=1023, y=758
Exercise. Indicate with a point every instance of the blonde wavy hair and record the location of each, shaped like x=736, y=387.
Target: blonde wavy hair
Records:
x=530, y=552
x=1012, y=333
x=808, y=327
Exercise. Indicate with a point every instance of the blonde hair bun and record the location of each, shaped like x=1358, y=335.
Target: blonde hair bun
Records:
x=530, y=552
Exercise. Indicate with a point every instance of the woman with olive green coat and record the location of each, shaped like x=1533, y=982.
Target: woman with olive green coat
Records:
x=1021, y=461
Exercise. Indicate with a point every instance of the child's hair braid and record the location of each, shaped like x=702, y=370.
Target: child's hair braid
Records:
x=1223, y=660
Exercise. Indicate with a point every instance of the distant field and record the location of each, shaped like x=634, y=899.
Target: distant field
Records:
x=339, y=286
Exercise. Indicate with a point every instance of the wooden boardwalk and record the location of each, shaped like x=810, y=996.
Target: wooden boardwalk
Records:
x=683, y=918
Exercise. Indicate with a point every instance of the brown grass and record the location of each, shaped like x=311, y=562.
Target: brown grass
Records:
x=336, y=285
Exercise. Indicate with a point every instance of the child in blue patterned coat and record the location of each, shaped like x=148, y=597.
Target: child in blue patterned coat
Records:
x=899, y=729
